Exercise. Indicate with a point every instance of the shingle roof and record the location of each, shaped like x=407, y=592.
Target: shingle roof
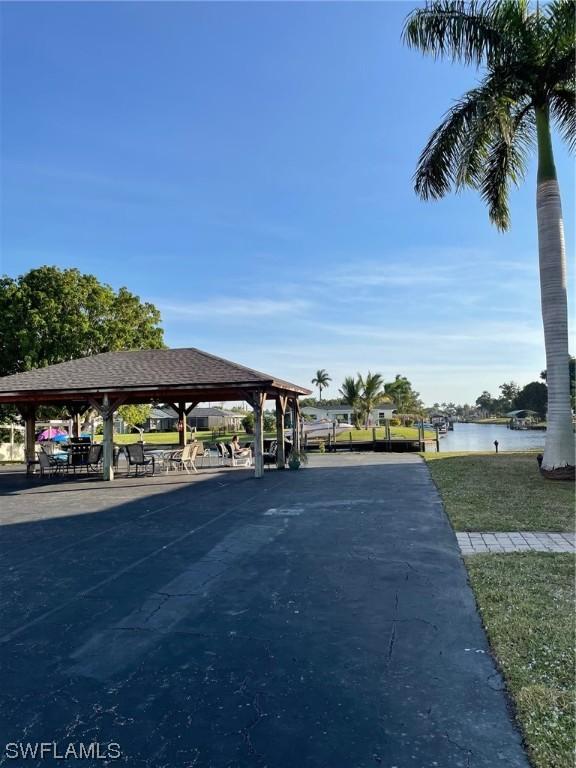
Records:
x=155, y=368
x=197, y=412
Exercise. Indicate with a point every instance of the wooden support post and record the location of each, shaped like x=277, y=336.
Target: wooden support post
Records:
x=29, y=414
x=295, y=413
x=257, y=400
x=183, y=412
x=182, y=437
x=187, y=412
x=373, y=438
x=281, y=401
x=106, y=409
x=107, y=440
x=75, y=411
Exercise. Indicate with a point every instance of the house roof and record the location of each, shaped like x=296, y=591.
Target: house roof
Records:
x=141, y=374
x=170, y=413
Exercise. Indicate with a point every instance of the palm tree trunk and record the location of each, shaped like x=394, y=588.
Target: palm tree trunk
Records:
x=559, y=449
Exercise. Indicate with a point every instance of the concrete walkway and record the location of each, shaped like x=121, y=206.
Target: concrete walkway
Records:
x=312, y=619
x=514, y=541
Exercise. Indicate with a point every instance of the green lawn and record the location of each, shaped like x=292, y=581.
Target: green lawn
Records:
x=527, y=605
x=504, y=492
x=526, y=599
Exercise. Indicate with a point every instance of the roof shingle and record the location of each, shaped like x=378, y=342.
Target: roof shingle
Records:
x=154, y=368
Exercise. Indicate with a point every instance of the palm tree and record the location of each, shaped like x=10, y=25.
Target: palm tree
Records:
x=321, y=380
x=400, y=390
x=351, y=391
x=485, y=139
x=372, y=391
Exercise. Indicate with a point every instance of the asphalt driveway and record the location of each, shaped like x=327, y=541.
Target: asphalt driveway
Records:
x=311, y=619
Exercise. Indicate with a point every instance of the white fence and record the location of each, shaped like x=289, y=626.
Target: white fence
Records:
x=12, y=451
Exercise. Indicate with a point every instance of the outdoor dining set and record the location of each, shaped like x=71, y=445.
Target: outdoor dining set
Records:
x=80, y=455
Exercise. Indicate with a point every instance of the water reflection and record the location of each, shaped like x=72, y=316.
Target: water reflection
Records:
x=480, y=437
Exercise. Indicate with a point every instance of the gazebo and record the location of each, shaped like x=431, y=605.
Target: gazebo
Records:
x=181, y=377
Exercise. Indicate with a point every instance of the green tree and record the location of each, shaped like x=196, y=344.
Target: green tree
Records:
x=406, y=399
x=321, y=380
x=351, y=391
x=372, y=390
x=510, y=391
x=533, y=397
x=248, y=423
x=135, y=415
x=483, y=143
x=268, y=422
x=51, y=315
x=486, y=403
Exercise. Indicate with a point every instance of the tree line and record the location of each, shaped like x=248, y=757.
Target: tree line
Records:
x=532, y=397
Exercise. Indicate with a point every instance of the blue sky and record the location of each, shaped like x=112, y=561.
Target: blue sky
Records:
x=247, y=167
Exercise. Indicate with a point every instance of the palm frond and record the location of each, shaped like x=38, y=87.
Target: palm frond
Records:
x=487, y=132
x=465, y=31
x=506, y=163
x=559, y=18
x=437, y=165
x=563, y=110
x=351, y=390
x=557, y=41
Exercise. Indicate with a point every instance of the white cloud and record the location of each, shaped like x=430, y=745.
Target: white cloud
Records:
x=226, y=307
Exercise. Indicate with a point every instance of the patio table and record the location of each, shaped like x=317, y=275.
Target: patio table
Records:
x=161, y=458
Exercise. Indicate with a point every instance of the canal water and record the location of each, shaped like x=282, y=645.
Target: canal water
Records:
x=480, y=437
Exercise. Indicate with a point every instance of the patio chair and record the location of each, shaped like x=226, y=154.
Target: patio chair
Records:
x=94, y=458
x=184, y=458
x=271, y=455
x=222, y=453
x=135, y=458
x=48, y=465
x=237, y=460
x=208, y=455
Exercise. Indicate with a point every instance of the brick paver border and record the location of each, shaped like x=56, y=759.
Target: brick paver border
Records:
x=515, y=541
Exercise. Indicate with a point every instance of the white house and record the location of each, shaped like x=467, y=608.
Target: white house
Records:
x=345, y=414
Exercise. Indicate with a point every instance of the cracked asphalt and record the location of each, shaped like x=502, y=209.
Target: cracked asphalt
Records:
x=311, y=619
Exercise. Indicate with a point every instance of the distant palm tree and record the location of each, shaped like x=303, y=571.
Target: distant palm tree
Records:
x=484, y=141
x=372, y=390
x=400, y=390
x=321, y=380
x=351, y=391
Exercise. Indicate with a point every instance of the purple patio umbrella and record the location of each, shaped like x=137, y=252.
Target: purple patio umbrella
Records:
x=50, y=433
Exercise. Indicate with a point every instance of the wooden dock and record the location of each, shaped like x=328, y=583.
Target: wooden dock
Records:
x=378, y=445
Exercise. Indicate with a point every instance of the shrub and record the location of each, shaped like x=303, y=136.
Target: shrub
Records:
x=248, y=423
